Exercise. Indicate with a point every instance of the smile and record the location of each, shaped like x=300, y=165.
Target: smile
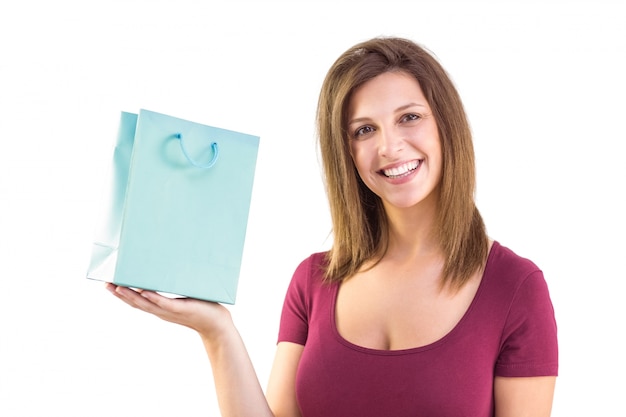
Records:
x=402, y=170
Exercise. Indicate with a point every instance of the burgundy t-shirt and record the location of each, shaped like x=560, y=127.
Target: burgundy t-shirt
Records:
x=508, y=330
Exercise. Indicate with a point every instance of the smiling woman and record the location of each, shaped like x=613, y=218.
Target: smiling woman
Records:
x=414, y=310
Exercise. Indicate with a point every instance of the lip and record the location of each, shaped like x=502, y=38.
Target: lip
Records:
x=400, y=170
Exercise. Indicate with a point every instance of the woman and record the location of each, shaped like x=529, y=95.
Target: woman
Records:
x=413, y=311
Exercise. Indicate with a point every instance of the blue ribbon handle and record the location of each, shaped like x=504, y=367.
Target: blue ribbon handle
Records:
x=209, y=164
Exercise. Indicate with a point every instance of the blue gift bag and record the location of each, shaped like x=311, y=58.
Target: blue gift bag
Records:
x=176, y=222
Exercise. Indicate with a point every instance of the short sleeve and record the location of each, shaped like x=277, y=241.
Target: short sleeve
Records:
x=529, y=344
x=294, y=318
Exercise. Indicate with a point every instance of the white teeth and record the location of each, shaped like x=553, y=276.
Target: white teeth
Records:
x=401, y=170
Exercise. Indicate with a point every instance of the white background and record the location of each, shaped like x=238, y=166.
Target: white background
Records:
x=543, y=84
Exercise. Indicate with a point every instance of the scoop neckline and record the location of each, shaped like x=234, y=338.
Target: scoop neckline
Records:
x=393, y=352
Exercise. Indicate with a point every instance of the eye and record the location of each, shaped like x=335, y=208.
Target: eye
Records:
x=362, y=131
x=410, y=117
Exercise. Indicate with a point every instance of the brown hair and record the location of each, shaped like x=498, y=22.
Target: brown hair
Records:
x=360, y=228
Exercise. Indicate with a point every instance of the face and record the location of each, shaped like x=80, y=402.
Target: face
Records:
x=394, y=140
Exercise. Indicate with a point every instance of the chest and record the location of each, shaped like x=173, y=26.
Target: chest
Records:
x=344, y=372
x=401, y=310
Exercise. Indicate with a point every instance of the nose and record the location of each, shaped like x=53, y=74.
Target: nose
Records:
x=390, y=142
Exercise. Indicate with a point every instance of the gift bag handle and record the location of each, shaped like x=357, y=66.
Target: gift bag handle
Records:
x=209, y=164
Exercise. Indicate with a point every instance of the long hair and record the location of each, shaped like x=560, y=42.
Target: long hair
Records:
x=360, y=226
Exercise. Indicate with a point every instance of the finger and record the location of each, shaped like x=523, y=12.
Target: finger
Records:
x=134, y=298
x=110, y=287
x=166, y=304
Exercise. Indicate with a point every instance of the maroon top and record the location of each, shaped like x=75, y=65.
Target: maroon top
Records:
x=508, y=330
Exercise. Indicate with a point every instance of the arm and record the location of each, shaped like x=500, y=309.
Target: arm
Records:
x=281, y=389
x=524, y=396
x=238, y=390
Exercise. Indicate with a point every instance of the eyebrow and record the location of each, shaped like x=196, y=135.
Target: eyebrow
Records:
x=399, y=109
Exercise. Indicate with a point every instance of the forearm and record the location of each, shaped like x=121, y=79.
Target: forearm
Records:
x=238, y=390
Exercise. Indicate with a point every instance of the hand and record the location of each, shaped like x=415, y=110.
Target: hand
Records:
x=205, y=317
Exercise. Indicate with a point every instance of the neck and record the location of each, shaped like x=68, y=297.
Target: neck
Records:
x=412, y=231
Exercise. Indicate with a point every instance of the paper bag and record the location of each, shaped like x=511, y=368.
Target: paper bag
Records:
x=178, y=211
